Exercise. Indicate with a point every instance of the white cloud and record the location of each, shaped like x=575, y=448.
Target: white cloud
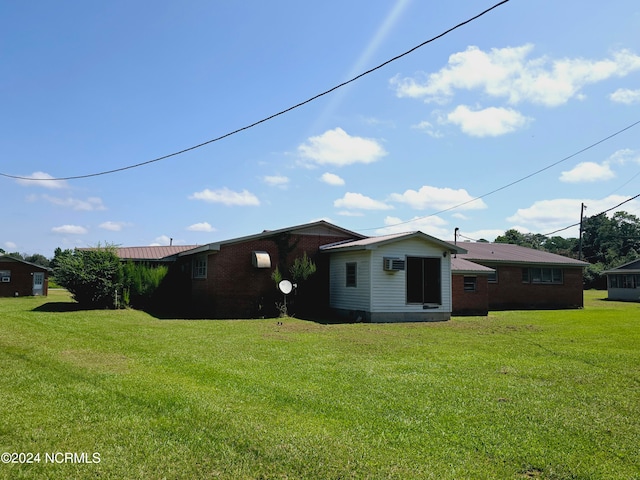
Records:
x=510, y=73
x=626, y=96
x=428, y=128
x=276, y=180
x=88, y=205
x=42, y=179
x=162, y=240
x=226, y=197
x=337, y=147
x=488, y=122
x=438, y=199
x=588, y=172
x=201, y=227
x=113, y=226
x=545, y=216
x=349, y=213
x=432, y=225
x=360, y=202
x=594, y=172
x=623, y=156
x=332, y=179
x=10, y=245
x=70, y=230
x=488, y=234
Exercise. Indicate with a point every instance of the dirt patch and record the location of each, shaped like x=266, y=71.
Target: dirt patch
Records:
x=96, y=361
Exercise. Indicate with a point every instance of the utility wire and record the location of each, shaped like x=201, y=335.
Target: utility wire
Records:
x=604, y=211
x=270, y=117
x=515, y=181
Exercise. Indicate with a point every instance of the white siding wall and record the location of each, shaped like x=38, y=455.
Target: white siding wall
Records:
x=350, y=298
x=389, y=289
x=379, y=291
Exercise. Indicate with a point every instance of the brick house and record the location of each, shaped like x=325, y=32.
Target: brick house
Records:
x=233, y=278
x=525, y=278
x=19, y=278
x=470, y=287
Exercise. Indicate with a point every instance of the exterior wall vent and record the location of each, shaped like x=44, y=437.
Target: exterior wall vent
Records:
x=260, y=259
x=393, y=264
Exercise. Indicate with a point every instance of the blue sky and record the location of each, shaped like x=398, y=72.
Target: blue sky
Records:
x=87, y=87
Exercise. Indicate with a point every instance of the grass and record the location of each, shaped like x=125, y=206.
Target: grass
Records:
x=541, y=394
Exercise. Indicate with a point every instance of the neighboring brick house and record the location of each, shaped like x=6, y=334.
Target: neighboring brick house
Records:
x=525, y=278
x=19, y=278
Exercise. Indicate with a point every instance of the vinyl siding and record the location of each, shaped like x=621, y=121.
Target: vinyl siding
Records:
x=379, y=291
x=388, y=291
x=350, y=298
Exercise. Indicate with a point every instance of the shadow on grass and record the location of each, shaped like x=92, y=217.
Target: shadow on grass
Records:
x=61, y=307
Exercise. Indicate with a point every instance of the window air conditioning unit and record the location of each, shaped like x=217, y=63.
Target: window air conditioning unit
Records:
x=393, y=264
x=6, y=279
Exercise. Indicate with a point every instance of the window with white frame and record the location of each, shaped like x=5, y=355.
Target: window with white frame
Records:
x=5, y=276
x=200, y=267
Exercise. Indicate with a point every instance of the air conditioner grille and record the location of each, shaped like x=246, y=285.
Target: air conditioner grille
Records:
x=393, y=264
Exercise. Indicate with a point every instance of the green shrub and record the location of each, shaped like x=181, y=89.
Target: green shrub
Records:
x=92, y=276
x=140, y=282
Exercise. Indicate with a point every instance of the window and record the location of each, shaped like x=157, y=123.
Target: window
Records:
x=624, y=281
x=5, y=276
x=352, y=274
x=493, y=276
x=542, y=275
x=423, y=280
x=200, y=267
x=470, y=284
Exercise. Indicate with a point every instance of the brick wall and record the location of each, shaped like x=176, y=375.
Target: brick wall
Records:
x=509, y=292
x=234, y=288
x=469, y=303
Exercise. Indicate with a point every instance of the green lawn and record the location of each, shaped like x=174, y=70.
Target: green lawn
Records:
x=543, y=394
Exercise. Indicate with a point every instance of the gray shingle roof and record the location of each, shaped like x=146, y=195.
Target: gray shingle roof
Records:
x=508, y=253
x=461, y=266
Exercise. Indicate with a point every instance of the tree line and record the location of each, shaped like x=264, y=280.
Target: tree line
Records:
x=607, y=242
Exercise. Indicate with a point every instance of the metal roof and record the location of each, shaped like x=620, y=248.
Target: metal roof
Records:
x=509, y=253
x=372, y=242
x=151, y=253
x=321, y=227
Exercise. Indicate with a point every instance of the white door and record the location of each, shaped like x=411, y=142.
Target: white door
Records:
x=38, y=283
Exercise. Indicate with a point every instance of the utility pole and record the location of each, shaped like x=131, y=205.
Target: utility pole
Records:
x=582, y=209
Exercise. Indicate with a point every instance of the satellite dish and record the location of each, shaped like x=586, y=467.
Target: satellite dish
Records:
x=285, y=286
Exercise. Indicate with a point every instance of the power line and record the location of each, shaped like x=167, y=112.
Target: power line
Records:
x=515, y=181
x=270, y=117
x=604, y=211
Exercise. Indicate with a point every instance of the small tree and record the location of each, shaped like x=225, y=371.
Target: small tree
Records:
x=302, y=268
